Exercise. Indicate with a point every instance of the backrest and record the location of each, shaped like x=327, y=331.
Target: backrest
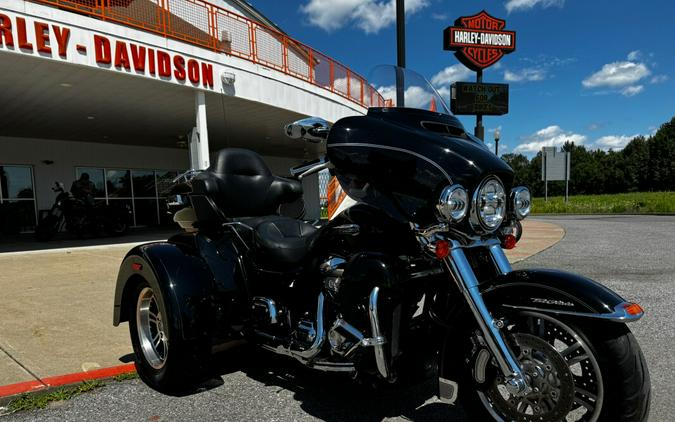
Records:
x=240, y=184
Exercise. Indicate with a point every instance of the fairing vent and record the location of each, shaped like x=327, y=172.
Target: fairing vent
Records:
x=443, y=129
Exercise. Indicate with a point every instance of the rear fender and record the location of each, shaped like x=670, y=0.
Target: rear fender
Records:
x=183, y=278
x=558, y=293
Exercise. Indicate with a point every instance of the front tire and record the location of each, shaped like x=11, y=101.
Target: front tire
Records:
x=163, y=361
x=590, y=372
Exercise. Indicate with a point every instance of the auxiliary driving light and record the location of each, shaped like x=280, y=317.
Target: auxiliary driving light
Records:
x=453, y=203
x=521, y=201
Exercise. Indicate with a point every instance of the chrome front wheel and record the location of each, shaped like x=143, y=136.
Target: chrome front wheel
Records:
x=152, y=336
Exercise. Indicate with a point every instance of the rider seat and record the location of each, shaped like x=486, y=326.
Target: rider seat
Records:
x=240, y=187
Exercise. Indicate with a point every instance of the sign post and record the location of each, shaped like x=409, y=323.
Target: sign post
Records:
x=479, y=41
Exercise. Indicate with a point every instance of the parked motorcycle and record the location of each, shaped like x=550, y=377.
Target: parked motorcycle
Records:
x=80, y=218
x=411, y=281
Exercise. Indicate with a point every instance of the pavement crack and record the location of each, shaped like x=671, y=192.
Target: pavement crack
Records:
x=24, y=367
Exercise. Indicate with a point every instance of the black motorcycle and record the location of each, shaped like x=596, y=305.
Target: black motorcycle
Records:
x=80, y=217
x=409, y=282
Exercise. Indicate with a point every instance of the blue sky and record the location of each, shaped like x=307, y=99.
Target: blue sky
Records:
x=597, y=72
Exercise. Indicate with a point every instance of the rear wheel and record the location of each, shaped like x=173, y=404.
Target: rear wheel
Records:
x=594, y=373
x=162, y=360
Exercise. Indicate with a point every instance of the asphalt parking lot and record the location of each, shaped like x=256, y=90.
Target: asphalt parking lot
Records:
x=633, y=255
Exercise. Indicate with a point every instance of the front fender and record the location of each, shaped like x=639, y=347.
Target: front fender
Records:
x=559, y=293
x=182, y=277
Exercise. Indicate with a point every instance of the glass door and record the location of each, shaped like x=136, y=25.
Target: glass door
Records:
x=17, y=199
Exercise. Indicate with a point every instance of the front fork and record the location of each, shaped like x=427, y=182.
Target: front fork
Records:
x=463, y=274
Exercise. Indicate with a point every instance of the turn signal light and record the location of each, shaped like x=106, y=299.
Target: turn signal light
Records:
x=442, y=249
x=633, y=309
x=509, y=241
x=136, y=266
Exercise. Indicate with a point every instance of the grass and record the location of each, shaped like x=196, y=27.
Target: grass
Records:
x=40, y=401
x=126, y=377
x=620, y=203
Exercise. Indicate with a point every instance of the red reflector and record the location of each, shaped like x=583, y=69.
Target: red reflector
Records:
x=442, y=249
x=633, y=309
x=136, y=266
x=509, y=241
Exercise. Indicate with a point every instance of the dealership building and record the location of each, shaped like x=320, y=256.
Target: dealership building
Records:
x=133, y=92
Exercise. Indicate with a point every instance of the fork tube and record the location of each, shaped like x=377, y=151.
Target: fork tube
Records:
x=466, y=280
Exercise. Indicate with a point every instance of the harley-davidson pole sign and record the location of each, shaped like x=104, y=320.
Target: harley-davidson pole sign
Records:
x=479, y=41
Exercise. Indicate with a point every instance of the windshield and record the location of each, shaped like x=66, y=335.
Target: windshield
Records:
x=413, y=91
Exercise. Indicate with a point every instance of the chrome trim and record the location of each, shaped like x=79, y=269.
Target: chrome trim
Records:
x=362, y=144
x=377, y=337
x=304, y=167
x=312, y=129
x=463, y=274
x=313, y=350
x=332, y=264
x=314, y=169
x=270, y=305
x=499, y=257
x=618, y=315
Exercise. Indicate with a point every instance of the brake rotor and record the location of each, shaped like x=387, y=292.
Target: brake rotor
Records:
x=547, y=374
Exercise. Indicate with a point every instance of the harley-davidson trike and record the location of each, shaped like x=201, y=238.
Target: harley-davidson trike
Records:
x=409, y=280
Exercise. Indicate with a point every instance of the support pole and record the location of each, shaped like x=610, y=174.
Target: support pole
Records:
x=400, y=52
x=479, y=131
x=199, y=142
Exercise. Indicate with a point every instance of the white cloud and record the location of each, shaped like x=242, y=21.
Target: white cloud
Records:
x=415, y=96
x=454, y=73
x=549, y=136
x=369, y=15
x=615, y=142
x=617, y=74
x=512, y=5
x=525, y=75
x=629, y=91
x=634, y=55
x=657, y=79
x=439, y=16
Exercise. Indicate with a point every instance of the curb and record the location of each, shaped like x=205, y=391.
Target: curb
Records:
x=9, y=391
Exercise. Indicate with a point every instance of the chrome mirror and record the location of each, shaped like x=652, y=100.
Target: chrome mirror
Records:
x=312, y=129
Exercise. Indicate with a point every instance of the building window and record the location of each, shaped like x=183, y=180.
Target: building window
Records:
x=143, y=190
x=17, y=199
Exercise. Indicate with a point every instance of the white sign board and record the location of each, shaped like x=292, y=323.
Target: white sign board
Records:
x=555, y=165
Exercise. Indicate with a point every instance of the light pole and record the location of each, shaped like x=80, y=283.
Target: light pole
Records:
x=498, y=135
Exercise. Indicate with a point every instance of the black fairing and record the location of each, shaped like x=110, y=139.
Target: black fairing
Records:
x=399, y=160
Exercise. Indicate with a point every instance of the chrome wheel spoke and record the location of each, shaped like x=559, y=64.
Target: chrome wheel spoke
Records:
x=153, y=340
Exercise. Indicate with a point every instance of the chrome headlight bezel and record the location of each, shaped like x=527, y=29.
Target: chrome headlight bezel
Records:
x=521, y=202
x=479, y=222
x=453, y=204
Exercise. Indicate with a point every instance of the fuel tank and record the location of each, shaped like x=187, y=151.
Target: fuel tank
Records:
x=400, y=159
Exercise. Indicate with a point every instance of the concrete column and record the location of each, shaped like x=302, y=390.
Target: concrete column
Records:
x=199, y=141
x=310, y=189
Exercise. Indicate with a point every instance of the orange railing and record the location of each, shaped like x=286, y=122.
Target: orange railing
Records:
x=215, y=28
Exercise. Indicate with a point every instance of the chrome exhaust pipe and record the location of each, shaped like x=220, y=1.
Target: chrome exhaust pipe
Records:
x=377, y=340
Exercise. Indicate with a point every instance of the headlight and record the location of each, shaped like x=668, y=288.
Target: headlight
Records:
x=521, y=201
x=453, y=203
x=489, y=206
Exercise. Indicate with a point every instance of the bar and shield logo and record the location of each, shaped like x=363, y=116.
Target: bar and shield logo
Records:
x=479, y=41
